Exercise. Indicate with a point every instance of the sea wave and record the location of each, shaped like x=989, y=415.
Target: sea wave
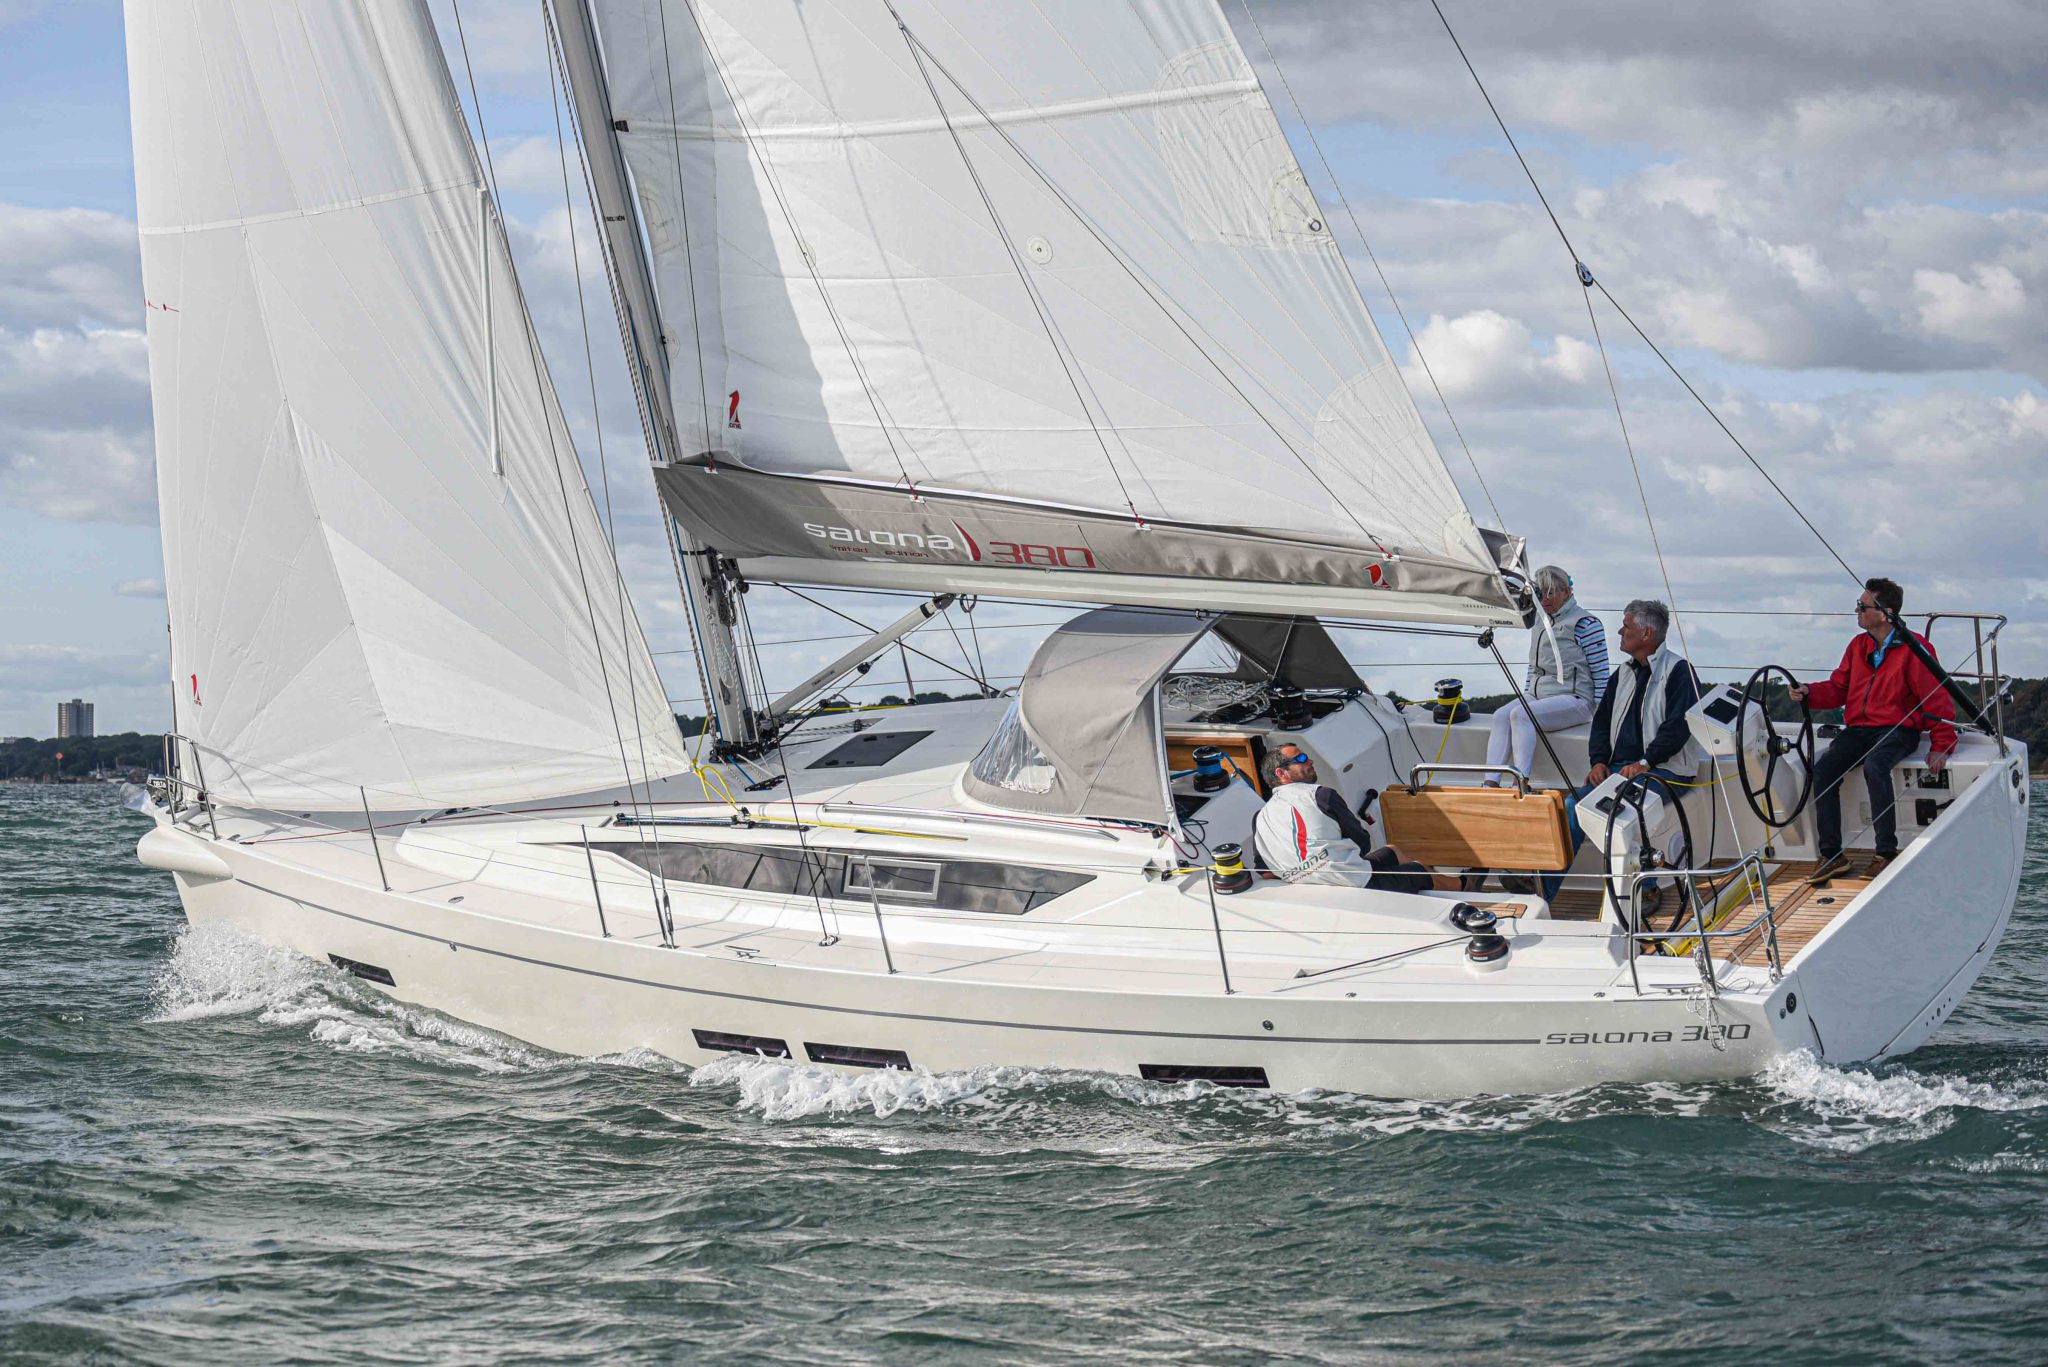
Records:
x=217, y=971
x=1856, y=1108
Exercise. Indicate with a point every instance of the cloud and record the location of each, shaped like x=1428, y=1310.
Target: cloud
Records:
x=140, y=588
x=1759, y=181
x=1488, y=356
x=75, y=440
x=68, y=268
x=1981, y=309
x=55, y=668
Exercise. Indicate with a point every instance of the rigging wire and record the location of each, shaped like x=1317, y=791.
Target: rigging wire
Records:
x=1343, y=199
x=546, y=389
x=1775, y=487
x=1588, y=282
x=819, y=603
x=637, y=370
x=556, y=91
x=946, y=616
x=967, y=606
x=1053, y=333
x=1586, y=286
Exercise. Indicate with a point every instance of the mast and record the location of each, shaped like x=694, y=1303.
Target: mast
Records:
x=707, y=588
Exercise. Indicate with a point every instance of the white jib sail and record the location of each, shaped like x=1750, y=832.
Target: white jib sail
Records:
x=1055, y=251
x=384, y=567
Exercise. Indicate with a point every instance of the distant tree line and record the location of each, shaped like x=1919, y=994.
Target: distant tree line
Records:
x=83, y=755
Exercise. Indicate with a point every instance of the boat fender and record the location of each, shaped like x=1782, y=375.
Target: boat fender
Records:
x=1229, y=875
x=1487, y=953
x=181, y=852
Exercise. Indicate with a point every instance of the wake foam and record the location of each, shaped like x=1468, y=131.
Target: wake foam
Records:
x=779, y=1089
x=216, y=971
x=1852, y=1109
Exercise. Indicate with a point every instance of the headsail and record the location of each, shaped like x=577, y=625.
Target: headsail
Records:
x=1049, y=263
x=384, y=566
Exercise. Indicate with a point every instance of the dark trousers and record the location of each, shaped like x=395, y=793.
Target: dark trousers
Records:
x=1878, y=749
x=1391, y=875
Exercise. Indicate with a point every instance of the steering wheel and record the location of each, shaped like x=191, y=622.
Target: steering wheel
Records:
x=1763, y=799
x=1635, y=793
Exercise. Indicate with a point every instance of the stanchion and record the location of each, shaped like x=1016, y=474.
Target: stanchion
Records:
x=371, y=826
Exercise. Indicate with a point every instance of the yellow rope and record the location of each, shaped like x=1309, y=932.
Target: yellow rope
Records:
x=840, y=826
x=1450, y=706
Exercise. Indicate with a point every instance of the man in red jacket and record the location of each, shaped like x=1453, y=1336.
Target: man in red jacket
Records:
x=1888, y=699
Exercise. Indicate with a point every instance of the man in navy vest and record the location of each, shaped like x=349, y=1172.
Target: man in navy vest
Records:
x=1639, y=727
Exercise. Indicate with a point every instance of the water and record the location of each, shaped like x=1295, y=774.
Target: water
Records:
x=210, y=1151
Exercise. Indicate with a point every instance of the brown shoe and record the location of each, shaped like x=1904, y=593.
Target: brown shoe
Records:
x=1878, y=864
x=1834, y=866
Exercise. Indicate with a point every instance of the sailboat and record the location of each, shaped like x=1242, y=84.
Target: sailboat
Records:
x=1030, y=301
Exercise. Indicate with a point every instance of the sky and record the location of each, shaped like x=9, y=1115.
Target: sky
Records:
x=1833, y=218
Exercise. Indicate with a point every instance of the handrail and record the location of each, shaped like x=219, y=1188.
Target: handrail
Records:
x=1521, y=781
x=1990, y=682
x=1756, y=880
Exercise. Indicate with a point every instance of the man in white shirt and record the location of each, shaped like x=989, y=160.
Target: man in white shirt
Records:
x=1307, y=834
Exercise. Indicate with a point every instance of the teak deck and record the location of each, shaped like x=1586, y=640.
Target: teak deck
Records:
x=1803, y=911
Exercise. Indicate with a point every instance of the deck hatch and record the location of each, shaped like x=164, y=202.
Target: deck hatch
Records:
x=1222, y=1075
x=854, y=1056
x=720, y=1042
x=367, y=972
x=868, y=750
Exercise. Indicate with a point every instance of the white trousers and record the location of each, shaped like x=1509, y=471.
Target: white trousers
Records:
x=1514, y=729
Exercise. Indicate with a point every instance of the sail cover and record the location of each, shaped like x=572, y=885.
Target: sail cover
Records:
x=384, y=567
x=1036, y=289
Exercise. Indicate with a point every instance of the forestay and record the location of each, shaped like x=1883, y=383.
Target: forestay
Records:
x=384, y=567
x=1051, y=266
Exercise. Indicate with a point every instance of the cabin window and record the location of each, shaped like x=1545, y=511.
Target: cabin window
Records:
x=977, y=885
x=898, y=881
x=1011, y=759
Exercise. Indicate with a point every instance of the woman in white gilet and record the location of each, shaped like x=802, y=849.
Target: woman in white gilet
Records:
x=1567, y=673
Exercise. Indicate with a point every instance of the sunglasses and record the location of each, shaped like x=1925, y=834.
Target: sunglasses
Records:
x=1286, y=760
x=1862, y=608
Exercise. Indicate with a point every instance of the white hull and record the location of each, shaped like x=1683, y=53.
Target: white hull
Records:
x=1876, y=982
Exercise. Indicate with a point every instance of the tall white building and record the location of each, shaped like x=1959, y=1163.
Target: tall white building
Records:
x=74, y=719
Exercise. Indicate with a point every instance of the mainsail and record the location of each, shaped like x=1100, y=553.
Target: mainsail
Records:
x=385, y=570
x=1024, y=296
